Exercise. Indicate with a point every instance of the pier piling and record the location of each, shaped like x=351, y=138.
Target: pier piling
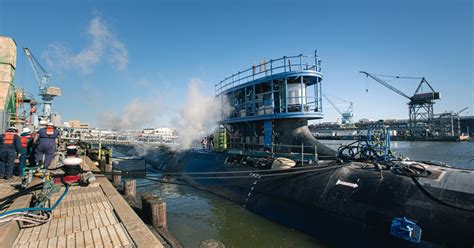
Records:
x=154, y=210
x=117, y=178
x=130, y=189
x=108, y=170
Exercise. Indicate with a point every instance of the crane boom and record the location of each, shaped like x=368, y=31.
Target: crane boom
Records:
x=41, y=75
x=462, y=110
x=380, y=81
x=333, y=105
x=46, y=92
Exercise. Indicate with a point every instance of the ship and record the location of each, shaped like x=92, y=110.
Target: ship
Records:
x=265, y=158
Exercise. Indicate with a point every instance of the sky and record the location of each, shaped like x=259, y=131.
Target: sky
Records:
x=129, y=63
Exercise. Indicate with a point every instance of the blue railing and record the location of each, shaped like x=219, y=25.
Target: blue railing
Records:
x=274, y=66
x=309, y=104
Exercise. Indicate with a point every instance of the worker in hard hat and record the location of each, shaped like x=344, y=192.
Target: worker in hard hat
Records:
x=9, y=149
x=46, y=142
x=26, y=149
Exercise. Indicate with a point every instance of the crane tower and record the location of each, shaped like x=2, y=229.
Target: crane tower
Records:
x=46, y=92
x=420, y=106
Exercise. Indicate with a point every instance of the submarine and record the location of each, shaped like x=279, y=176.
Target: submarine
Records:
x=362, y=195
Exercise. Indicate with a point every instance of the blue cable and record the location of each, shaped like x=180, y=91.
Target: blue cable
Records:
x=39, y=209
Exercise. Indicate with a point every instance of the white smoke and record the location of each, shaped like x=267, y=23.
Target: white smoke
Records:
x=103, y=44
x=135, y=115
x=199, y=115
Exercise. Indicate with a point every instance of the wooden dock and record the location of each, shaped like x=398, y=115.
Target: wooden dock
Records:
x=92, y=216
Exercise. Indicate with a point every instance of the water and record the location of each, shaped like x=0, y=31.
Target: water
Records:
x=195, y=215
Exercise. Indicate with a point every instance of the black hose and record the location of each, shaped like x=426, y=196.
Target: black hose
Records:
x=411, y=170
x=435, y=199
x=29, y=189
x=11, y=198
x=416, y=170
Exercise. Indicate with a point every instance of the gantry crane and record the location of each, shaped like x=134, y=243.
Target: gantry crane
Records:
x=420, y=106
x=346, y=115
x=46, y=92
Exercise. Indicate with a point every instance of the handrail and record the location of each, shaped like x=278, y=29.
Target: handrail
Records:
x=272, y=149
x=308, y=104
x=305, y=62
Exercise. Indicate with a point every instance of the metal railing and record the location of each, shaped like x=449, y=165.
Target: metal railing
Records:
x=129, y=139
x=301, y=104
x=274, y=66
x=278, y=150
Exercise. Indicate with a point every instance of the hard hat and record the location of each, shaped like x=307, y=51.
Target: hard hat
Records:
x=71, y=147
x=49, y=124
x=26, y=130
x=12, y=129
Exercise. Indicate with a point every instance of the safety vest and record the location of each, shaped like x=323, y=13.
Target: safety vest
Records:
x=49, y=130
x=24, y=141
x=8, y=138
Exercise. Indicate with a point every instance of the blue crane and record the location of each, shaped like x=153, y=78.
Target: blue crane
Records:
x=46, y=92
x=346, y=115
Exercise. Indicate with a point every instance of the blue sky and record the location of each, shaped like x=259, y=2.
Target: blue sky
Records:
x=135, y=59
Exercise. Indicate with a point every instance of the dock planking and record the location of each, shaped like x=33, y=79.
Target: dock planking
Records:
x=89, y=223
x=92, y=216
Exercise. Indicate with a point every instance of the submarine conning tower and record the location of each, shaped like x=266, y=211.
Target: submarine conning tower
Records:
x=269, y=108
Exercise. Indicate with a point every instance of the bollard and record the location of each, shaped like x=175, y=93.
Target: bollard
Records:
x=154, y=210
x=117, y=178
x=130, y=189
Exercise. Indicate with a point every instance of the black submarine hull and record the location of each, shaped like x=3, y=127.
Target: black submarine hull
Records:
x=345, y=205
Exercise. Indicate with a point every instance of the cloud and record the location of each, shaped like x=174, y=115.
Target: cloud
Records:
x=135, y=115
x=103, y=43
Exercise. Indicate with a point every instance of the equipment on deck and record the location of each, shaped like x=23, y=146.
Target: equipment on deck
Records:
x=420, y=106
x=46, y=92
x=406, y=229
x=376, y=146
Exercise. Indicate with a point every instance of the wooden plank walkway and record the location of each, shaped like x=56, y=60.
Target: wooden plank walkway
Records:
x=10, y=230
x=85, y=218
x=92, y=216
x=7, y=187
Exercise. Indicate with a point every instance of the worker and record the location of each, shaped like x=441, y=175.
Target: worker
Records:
x=204, y=142
x=210, y=142
x=46, y=142
x=26, y=149
x=32, y=157
x=9, y=149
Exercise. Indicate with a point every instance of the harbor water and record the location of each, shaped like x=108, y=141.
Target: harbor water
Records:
x=195, y=215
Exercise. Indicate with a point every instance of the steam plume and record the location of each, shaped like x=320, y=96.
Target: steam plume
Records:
x=137, y=114
x=199, y=115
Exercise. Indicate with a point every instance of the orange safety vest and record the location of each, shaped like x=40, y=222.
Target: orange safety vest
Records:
x=24, y=141
x=49, y=130
x=8, y=138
